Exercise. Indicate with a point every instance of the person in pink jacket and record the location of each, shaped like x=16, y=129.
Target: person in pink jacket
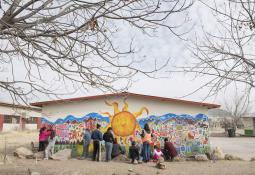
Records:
x=43, y=138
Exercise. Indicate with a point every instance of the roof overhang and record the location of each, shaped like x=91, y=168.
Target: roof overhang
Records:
x=125, y=94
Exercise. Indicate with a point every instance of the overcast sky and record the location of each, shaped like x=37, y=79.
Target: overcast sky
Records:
x=162, y=47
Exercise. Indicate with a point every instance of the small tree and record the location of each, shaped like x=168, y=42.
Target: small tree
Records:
x=237, y=108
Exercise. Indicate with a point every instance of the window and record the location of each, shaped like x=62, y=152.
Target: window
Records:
x=31, y=120
x=11, y=119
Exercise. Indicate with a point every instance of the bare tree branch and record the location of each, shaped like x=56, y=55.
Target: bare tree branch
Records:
x=227, y=54
x=75, y=40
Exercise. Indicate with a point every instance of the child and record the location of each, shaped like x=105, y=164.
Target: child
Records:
x=157, y=153
x=134, y=152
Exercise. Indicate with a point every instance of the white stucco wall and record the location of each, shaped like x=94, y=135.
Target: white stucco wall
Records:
x=155, y=107
x=15, y=127
x=6, y=110
x=10, y=127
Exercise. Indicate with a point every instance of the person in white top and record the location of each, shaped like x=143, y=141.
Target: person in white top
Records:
x=157, y=153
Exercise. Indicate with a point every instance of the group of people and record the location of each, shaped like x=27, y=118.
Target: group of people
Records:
x=140, y=151
x=137, y=151
x=47, y=139
x=112, y=148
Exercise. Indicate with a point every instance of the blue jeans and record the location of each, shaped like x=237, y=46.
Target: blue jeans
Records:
x=146, y=152
x=85, y=149
x=108, y=150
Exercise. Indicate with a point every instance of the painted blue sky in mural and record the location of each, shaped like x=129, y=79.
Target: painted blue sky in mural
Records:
x=71, y=118
x=141, y=121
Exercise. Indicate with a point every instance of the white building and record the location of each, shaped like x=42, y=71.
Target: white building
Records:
x=249, y=124
x=184, y=122
x=19, y=117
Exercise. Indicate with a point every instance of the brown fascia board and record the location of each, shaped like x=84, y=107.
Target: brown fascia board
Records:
x=125, y=94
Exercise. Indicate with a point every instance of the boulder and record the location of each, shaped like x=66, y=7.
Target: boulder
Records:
x=201, y=157
x=231, y=157
x=121, y=158
x=23, y=152
x=252, y=159
x=64, y=154
x=217, y=154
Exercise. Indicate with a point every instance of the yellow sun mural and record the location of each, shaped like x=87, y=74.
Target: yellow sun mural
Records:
x=123, y=122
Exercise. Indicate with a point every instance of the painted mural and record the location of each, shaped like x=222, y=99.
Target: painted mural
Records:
x=190, y=134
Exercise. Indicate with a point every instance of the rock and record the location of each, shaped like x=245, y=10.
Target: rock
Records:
x=161, y=166
x=217, y=154
x=135, y=162
x=160, y=160
x=23, y=152
x=35, y=173
x=252, y=159
x=231, y=157
x=179, y=159
x=73, y=173
x=201, y=157
x=130, y=170
x=121, y=158
x=64, y=154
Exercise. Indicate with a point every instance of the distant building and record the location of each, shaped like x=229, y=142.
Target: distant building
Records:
x=249, y=124
x=184, y=122
x=19, y=117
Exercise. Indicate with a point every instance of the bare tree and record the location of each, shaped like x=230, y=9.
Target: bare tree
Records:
x=75, y=39
x=226, y=53
x=237, y=108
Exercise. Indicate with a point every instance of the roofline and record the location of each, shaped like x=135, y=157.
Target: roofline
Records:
x=125, y=94
x=20, y=106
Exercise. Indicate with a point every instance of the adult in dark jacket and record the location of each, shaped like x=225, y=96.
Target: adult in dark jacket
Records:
x=134, y=152
x=169, y=150
x=97, y=137
x=108, y=138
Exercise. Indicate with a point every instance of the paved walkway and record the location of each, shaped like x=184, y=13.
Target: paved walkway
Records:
x=243, y=147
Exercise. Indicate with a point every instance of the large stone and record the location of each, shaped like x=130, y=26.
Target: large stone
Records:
x=121, y=158
x=23, y=152
x=201, y=157
x=231, y=157
x=64, y=154
x=252, y=159
x=217, y=154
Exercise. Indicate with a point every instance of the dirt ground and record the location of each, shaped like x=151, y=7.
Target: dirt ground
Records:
x=86, y=167
x=243, y=147
x=239, y=146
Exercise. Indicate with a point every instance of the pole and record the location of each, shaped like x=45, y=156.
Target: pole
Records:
x=5, y=152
